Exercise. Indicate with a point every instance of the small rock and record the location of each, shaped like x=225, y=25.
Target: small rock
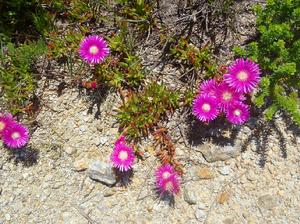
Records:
x=103, y=140
x=72, y=218
x=70, y=150
x=83, y=129
x=7, y=217
x=201, y=205
x=251, y=175
x=102, y=172
x=109, y=192
x=189, y=196
x=81, y=165
x=147, y=154
x=228, y=221
x=267, y=201
x=200, y=214
x=221, y=153
x=223, y=197
x=225, y=170
x=205, y=173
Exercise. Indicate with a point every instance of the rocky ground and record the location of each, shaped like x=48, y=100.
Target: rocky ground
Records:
x=222, y=184
x=247, y=174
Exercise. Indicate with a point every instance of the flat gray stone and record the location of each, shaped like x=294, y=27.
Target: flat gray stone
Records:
x=220, y=153
x=102, y=172
x=267, y=201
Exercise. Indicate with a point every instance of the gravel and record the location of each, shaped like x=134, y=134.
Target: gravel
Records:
x=50, y=182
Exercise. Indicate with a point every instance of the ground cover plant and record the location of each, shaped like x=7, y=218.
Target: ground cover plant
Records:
x=277, y=51
x=98, y=58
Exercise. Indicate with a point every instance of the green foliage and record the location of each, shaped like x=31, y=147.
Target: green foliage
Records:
x=144, y=110
x=277, y=50
x=62, y=45
x=195, y=57
x=24, y=16
x=138, y=12
x=73, y=10
x=123, y=67
x=16, y=79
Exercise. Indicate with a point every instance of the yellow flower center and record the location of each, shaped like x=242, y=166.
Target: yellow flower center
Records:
x=227, y=96
x=206, y=107
x=15, y=135
x=169, y=186
x=94, y=49
x=123, y=155
x=2, y=125
x=237, y=112
x=166, y=175
x=242, y=76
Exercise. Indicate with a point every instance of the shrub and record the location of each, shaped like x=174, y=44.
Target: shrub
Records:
x=16, y=79
x=277, y=50
x=144, y=110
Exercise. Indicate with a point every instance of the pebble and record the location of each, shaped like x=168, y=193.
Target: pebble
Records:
x=228, y=220
x=267, y=201
x=102, y=172
x=109, y=192
x=200, y=214
x=189, y=196
x=205, y=173
x=103, y=140
x=7, y=217
x=81, y=165
x=70, y=150
x=225, y=170
x=251, y=175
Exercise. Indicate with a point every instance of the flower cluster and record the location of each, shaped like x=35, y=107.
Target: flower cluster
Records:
x=227, y=95
x=167, y=180
x=12, y=133
x=122, y=156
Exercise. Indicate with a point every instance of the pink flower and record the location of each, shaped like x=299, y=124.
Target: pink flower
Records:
x=243, y=75
x=205, y=107
x=167, y=180
x=6, y=120
x=16, y=135
x=94, y=85
x=226, y=95
x=164, y=172
x=93, y=49
x=238, y=113
x=122, y=156
x=209, y=87
x=170, y=185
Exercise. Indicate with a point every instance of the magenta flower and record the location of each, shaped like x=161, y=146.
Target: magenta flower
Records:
x=209, y=87
x=93, y=49
x=16, y=135
x=226, y=95
x=205, y=107
x=167, y=180
x=122, y=156
x=121, y=140
x=5, y=122
x=238, y=113
x=170, y=185
x=243, y=75
x=164, y=172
